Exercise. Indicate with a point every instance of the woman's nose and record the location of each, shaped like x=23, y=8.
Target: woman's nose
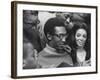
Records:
x=81, y=39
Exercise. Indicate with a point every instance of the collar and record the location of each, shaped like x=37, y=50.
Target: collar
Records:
x=51, y=50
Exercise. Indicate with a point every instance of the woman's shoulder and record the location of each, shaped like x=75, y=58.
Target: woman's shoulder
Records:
x=73, y=55
x=88, y=54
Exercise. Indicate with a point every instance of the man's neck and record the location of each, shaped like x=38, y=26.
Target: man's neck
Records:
x=50, y=48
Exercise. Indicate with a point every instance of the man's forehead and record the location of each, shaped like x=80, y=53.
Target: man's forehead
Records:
x=60, y=29
x=30, y=12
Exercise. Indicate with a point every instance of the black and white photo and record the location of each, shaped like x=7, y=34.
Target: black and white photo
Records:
x=53, y=39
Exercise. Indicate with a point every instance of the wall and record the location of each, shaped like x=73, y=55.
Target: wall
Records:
x=5, y=41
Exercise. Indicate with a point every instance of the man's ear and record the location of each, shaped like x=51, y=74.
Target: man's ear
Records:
x=49, y=37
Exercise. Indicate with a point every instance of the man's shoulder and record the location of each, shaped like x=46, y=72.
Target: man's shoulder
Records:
x=43, y=52
x=68, y=59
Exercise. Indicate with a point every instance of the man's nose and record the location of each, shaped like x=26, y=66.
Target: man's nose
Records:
x=63, y=39
x=38, y=21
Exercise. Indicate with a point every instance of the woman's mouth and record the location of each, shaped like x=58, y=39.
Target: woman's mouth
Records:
x=81, y=43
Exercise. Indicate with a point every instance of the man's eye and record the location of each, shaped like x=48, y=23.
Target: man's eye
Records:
x=58, y=36
x=32, y=13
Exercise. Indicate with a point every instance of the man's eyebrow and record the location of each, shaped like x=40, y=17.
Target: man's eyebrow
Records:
x=34, y=12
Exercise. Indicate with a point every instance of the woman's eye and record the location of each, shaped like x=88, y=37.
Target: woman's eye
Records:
x=85, y=36
x=78, y=35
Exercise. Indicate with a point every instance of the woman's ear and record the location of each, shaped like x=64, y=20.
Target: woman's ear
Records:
x=49, y=37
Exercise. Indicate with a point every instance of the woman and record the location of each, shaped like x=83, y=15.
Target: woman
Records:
x=80, y=44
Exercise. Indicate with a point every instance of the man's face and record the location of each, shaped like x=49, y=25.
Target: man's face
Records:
x=59, y=37
x=67, y=18
x=31, y=17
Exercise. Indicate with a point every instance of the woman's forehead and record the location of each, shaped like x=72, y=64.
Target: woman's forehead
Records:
x=82, y=31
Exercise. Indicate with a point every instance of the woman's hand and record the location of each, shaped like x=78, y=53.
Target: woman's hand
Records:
x=87, y=63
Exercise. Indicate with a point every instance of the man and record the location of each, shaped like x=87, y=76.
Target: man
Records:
x=56, y=52
x=67, y=17
x=31, y=39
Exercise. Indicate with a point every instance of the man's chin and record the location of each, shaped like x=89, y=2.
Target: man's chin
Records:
x=60, y=50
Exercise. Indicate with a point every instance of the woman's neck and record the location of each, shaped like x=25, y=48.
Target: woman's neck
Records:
x=81, y=54
x=80, y=47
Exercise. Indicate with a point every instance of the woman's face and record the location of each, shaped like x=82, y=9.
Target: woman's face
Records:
x=81, y=36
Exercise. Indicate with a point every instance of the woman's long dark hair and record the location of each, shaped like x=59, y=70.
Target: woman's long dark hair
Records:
x=80, y=25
